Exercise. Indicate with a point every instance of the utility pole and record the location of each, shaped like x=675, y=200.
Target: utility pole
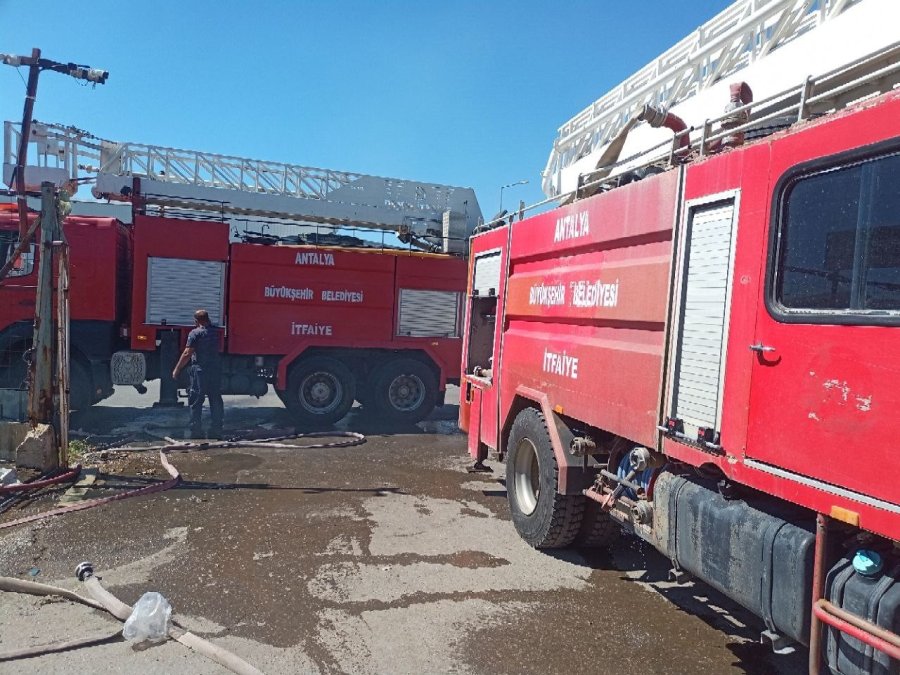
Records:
x=40, y=395
x=30, y=95
x=41, y=407
x=35, y=66
x=524, y=181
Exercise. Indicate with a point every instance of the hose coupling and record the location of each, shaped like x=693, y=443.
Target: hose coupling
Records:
x=84, y=571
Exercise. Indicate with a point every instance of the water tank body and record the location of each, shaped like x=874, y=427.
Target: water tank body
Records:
x=761, y=558
x=865, y=583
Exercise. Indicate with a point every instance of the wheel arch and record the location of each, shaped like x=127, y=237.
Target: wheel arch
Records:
x=572, y=475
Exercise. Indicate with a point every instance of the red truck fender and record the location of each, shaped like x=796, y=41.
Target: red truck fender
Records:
x=571, y=470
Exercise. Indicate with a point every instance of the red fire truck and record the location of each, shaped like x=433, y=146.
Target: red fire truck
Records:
x=704, y=353
x=325, y=322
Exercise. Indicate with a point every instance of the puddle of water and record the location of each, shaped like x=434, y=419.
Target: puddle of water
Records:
x=442, y=427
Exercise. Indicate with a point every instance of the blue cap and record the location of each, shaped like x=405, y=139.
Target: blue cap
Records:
x=867, y=562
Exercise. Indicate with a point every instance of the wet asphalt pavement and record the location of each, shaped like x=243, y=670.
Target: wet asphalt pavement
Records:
x=383, y=558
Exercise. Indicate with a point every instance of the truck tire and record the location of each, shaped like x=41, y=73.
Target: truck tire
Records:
x=320, y=391
x=598, y=529
x=403, y=390
x=543, y=517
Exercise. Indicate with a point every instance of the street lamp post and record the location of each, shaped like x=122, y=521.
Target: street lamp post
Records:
x=503, y=187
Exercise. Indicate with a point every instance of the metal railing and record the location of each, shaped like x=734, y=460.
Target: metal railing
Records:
x=745, y=32
x=868, y=76
x=246, y=186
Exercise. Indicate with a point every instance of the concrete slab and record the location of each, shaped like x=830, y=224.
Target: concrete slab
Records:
x=38, y=449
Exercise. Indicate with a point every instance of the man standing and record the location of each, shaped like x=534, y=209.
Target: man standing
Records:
x=202, y=351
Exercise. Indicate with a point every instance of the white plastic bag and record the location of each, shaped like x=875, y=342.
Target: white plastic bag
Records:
x=149, y=620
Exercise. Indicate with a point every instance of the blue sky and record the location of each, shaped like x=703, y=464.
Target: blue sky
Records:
x=459, y=92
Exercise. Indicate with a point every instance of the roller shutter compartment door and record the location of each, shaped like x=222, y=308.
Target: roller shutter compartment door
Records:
x=176, y=288
x=486, y=279
x=428, y=313
x=704, y=309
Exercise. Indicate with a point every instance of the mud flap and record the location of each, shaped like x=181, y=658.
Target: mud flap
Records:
x=477, y=449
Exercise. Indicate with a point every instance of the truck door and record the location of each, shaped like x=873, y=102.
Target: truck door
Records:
x=826, y=355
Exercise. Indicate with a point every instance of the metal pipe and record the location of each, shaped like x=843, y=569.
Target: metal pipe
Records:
x=864, y=635
x=660, y=117
x=620, y=480
x=882, y=633
x=599, y=498
x=818, y=591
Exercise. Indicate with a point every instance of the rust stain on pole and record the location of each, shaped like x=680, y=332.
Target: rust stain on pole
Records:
x=62, y=350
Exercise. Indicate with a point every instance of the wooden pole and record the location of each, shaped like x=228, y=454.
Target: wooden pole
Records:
x=40, y=395
x=62, y=350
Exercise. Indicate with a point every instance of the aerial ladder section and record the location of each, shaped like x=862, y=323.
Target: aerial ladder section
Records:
x=190, y=180
x=770, y=44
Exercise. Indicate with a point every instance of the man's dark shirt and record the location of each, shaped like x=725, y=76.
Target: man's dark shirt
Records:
x=205, y=342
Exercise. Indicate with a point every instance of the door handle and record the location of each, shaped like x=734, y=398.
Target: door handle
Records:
x=761, y=348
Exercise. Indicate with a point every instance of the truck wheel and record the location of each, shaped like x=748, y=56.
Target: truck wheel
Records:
x=404, y=390
x=320, y=391
x=598, y=529
x=543, y=517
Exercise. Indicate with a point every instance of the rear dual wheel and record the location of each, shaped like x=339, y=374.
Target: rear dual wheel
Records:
x=402, y=390
x=320, y=391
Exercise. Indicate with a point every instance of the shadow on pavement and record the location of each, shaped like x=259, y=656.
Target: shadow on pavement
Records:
x=112, y=420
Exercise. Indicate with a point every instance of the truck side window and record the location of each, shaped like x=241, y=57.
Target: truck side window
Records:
x=23, y=265
x=839, y=240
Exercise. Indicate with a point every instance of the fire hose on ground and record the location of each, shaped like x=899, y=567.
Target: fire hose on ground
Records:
x=103, y=599
x=353, y=439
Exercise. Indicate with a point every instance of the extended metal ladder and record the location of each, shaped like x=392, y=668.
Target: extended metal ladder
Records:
x=746, y=34
x=201, y=181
